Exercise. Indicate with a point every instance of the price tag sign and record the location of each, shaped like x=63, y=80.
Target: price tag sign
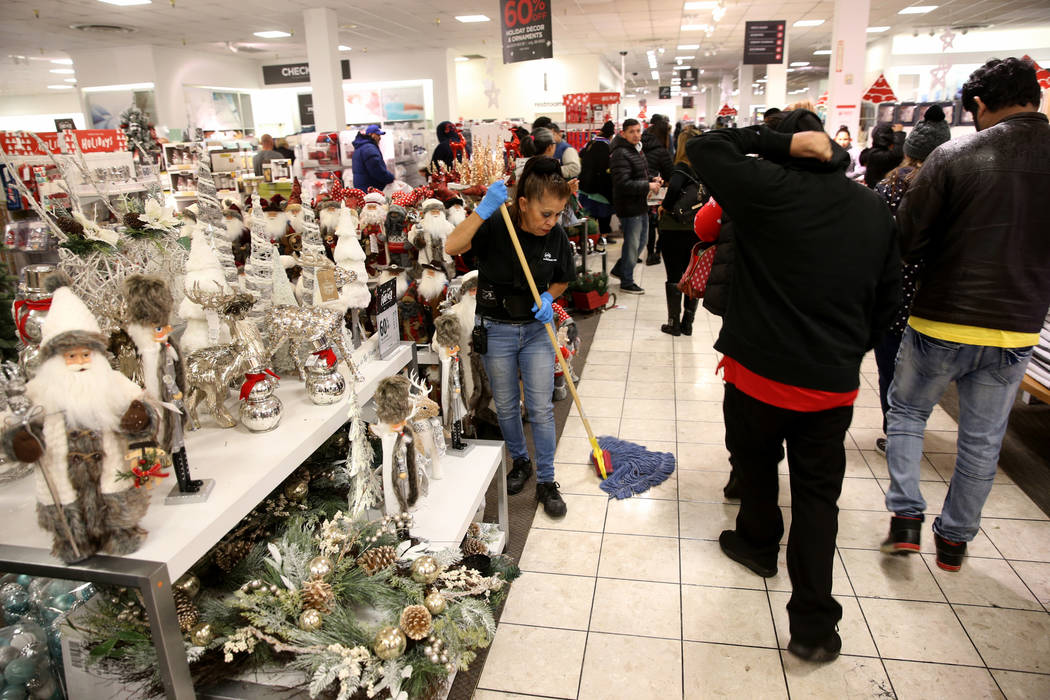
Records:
x=386, y=318
x=526, y=30
x=326, y=286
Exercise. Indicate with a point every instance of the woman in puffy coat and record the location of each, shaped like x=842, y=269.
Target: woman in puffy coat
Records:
x=655, y=142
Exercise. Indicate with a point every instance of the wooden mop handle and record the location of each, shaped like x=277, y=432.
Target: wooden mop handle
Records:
x=550, y=331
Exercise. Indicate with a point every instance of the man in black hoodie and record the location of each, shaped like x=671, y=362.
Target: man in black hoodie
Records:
x=448, y=134
x=816, y=279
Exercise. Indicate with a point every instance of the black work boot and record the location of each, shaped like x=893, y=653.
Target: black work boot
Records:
x=674, y=309
x=519, y=474
x=547, y=494
x=688, y=314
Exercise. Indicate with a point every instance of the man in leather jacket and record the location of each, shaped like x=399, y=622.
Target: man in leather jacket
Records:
x=975, y=216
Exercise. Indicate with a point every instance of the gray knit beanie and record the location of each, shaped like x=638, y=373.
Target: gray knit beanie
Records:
x=928, y=134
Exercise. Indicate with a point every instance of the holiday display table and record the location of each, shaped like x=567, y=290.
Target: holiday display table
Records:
x=246, y=468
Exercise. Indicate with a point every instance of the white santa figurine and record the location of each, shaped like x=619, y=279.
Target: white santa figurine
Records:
x=203, y=271
x=465, y=309
x=429, y=236
x=351, y=257
x=432, y=285
x=371, y=221
x=455, y=212
x=84, y=417
x=390, y=272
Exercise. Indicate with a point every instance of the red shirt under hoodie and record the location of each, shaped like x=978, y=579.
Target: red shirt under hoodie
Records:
x=793, y=398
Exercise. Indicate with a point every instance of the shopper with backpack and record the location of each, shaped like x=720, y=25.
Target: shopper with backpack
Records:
x=595, y=180
x=677, y=238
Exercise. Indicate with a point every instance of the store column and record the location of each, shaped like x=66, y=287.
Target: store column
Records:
x=745, y=81
x=713, y=105
x=849, y=44
x=776, y=81
x=326, y=77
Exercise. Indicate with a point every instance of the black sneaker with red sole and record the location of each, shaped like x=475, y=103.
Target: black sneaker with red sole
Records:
x=905, y=535
x=950, y=554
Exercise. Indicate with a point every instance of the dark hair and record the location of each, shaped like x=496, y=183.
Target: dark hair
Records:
x=844, y=128
x=542, y=123
x=661, y=131
x=628, y=123
x=1002, y=83
x=542, y=139
x=555, y=128
x=542, y=175
x=608, y=129
x=770, y=112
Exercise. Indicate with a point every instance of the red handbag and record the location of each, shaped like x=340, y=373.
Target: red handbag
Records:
x=694, y=282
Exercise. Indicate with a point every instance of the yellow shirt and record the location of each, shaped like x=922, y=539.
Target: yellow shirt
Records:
x=973, y=335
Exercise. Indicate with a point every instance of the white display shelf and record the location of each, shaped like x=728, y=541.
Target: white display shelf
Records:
x=246, y=468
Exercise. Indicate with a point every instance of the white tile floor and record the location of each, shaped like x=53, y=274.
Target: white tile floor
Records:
x=633, y=599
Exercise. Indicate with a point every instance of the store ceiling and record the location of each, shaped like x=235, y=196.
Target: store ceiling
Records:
x=37, y=30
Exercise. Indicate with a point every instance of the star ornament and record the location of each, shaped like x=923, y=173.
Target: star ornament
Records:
x=948, y=40
x=492, y=93
x=938, y=77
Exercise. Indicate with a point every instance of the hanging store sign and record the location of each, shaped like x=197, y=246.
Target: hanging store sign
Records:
x=665, y=92
x=526, y=30
x=687, y=101
x=764, y=42
x=306, y=109
x=689, y=77
x=296, y=73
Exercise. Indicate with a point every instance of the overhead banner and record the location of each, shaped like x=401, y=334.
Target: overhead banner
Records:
x=763, y=42
x=296, y=72
x=526, y=30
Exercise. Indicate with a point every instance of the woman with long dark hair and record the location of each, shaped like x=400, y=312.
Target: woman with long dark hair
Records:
x=677, y=238
x=509, y=327
x=656, y=143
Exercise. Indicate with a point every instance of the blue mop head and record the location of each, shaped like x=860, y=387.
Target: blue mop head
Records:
x=634, y=468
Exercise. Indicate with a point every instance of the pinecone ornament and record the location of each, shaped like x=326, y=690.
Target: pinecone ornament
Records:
x=133, y=221
x=71, y=227
x=185, y=610
x=474, y=530
x=472, y=546
x=317, y=595
x=416, y=622
x=376, y=559
x=229, y=554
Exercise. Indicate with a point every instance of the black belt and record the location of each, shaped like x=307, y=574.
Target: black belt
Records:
x=509, y=321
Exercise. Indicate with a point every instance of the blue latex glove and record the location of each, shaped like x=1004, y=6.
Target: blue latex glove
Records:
x=494, y=197
x=545, y=313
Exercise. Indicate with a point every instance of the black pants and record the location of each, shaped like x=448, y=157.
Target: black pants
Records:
x=654, y=229
x=755, y=435
x=886, y=361
x=604, y=224
x=675, y=248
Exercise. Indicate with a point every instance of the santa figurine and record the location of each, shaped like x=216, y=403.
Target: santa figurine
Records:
x=84, y=416
x=237, y=234
x=430, y=234
x=156, y=364
x=395, y=239
x=370, y=225
x=433, y=283
x=327, y=208
x=465, y=309
x=455, y=212
x=446, y=344
x=275, y=218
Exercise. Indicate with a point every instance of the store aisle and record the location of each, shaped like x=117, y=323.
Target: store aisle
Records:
x=633, y=599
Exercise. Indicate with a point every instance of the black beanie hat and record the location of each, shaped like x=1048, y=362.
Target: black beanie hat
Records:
x=608, y=129
x=928, y=134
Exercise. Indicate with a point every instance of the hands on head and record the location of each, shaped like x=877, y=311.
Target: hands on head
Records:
x=811, y=144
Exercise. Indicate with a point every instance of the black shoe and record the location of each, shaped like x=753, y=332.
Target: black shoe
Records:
x=631, y=289
x=880, y=446
x=732, y=488
x=826, y=651
x=674, y=309
x=519, y=475
x=737, y=550
x=615, y=272
x=688, y=314
x=547, y=494
x=905, y=535
x=950, y=554
x=653, y=259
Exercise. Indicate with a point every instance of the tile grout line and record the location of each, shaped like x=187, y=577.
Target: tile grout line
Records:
x=867, y=625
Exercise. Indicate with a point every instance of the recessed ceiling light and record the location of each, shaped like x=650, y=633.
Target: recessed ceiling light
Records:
x=59, y=87
x=680, y=67
x=63, y=71
x=683, y=58
x=877, y=30
x=62, y=61
x=822, y=52
x=344, y=48
x=655, y=74
x=918, y=9
x=70, y=80
x=797, y=64
x=126, y=3
x=705, y=5
x=808, y=23
x=688, y=47
x=461, y=59
x=272, y=34
x=472, y=18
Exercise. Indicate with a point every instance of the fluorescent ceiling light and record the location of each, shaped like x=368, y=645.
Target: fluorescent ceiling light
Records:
x=461, y=59
x=63, y=71
x=62, y=61
x=808, y=23
x=705, y=5
x=59, y=87
x=680, y=68
x=127, y=86
x=344, y=48
x=655, y=74
x=797, y=64
x=683, y=58
x=70, y=80
x=688, y=47
x=822, y=52
x=877, y=30
x=472, y=18
x=696, y=27
x=272, y=34
x=760, y=81
x=918, y=9
x=126, y=3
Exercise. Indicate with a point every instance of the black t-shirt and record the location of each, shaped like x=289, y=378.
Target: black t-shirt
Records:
x=503, y=292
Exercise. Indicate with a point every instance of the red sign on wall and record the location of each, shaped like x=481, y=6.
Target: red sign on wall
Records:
x=21, y=143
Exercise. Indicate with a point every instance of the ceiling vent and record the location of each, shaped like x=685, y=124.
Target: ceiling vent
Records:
x=103, y=28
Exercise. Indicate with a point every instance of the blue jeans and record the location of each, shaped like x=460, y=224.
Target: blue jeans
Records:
x=987, y=378
x=525, y=351
x=635, y=235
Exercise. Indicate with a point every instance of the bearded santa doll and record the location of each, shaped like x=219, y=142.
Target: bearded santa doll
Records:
x=370, y=227
x=292, y=241
x=465, y=309
x=88, y=414
x=275, y=218
x=327, y=210
x=430, y=234
x=236, y=234
x=455, y=212
x=395, y=236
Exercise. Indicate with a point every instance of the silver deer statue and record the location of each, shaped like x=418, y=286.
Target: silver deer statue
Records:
x=298, y=324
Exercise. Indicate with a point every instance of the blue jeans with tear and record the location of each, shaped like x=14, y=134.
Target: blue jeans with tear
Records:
x=987, y=378
x=523, y=351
